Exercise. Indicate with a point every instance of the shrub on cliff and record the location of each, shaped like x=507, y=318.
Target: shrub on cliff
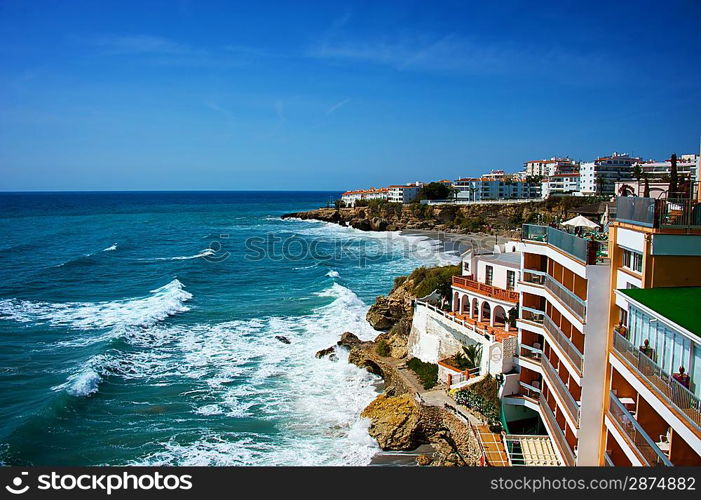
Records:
x=427, y=372
x=382, y=348
x=436, y=278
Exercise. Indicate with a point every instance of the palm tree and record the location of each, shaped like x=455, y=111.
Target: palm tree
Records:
x=646, y=194
x=673, y=188
x=638, y=174
x=472, y=354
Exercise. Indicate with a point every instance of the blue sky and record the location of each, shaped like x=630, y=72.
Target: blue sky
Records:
x=326, y=95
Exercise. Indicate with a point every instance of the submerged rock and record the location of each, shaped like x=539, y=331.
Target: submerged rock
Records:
x=283, y=339
x=325, y=352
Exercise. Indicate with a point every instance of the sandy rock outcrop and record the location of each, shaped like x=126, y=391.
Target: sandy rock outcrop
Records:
x=394, y=422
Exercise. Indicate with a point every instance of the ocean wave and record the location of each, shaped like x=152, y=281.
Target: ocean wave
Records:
x=207, y=252
x=332, y=274
x=240, y=370
x=110, y=248
x=162, y=302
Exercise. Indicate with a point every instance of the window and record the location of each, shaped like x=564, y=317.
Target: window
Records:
x=490, y=275
x=633, y=260
x=510, y=280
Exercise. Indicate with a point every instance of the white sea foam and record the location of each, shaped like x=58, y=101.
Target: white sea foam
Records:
x=332, y=274
x=207, y=252
x=162, y=302
x=111, y=248
x=239, y=366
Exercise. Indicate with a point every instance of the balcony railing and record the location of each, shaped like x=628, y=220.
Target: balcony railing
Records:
x=533, y=276
x=672, y=391
x=557, y=434
x=627, y=422
x=579, y=248
x=576, y=305
x=607, y=460
x=532, y=315
x=470, y=326
x=529, y=391
x=484, y=289
x=561, y=389
x=649, y=212
x=530, y=352
x=573, y=355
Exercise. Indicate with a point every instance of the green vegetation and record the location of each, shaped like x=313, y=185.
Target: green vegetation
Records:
x=435, y=191
x=427, y=372
x=382, y=348
x=483, y=397
x=470, y=358
x=435, y=278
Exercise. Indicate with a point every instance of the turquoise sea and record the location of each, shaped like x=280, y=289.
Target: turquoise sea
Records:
x=140, y=328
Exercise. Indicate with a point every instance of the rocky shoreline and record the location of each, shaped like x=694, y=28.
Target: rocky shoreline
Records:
x=401, y=420
x=495, y=218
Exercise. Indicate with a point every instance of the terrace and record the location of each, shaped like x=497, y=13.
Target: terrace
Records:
x=659, y=214
x=591, y=249
x=493, y=292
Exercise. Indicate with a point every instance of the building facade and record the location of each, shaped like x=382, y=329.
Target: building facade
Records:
x=599, y=177
x=403, y=193
x=350, y=197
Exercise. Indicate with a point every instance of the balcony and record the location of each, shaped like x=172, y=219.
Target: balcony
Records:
x=573, y=355
x=529, y=391
x=577, y=306
x=582, y=249
x=532, y=315
x=561, y=389
x=532, y=353
x=659, y=214
x=633, y=430
x=487, y=290
x=533, y=277
x=556, y=432
x=671, y=391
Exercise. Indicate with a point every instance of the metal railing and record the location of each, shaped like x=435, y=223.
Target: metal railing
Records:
x=576, y=305
x=529, y=391
x=556, y=432
x=561, y=389
x=573, y=354
x=534, y=277
x=607, y=460
x=532, y=315
x=537, y=450
x=650, y=212
x=627, y=422
x=672, y=391
x=530, y=352
x=569, y=243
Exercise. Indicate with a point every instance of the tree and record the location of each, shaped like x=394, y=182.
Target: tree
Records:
x=673, y=177
x=646, y=194
x=638, y=174
x=470, y=358
x=435, y=191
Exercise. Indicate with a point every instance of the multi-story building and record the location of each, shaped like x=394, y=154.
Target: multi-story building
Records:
x=495, y=188
x=653, y=365
x=687, y=166
x=405, y=193
x=566, y=183
x=600, y=176
x=350, y=197
x=544, y=168
x=562, y=335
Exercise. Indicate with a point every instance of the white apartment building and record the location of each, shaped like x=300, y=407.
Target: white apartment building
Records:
x=406, y=193
x=600, y=176
x=350, y=197
x=552, y=166
x=495, y=188
x=561, y=184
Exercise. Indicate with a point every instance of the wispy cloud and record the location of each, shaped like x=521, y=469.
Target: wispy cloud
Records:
x=458, y=54
x=337, y=106
x=143, y=45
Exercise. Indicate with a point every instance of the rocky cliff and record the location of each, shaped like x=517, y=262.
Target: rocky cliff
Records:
x=398, y=421
x=497, y=217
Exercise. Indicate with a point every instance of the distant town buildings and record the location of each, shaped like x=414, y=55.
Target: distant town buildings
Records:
x=616, y=174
